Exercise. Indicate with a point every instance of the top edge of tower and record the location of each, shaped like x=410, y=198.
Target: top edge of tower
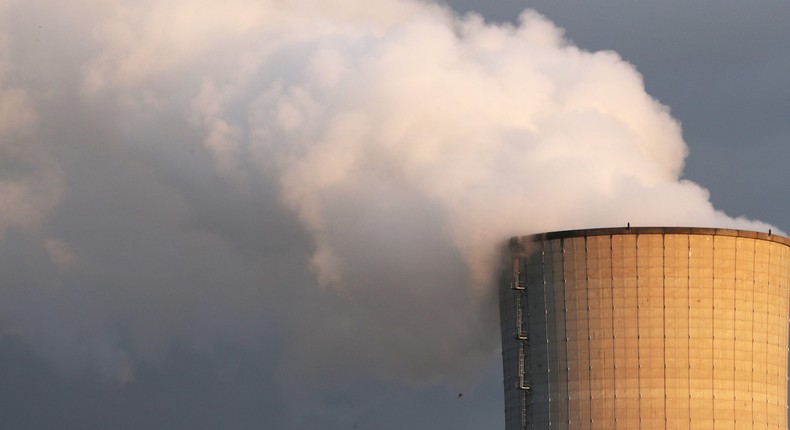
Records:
x=769, y=236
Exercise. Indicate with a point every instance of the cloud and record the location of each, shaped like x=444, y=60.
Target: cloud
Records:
x=334, y=178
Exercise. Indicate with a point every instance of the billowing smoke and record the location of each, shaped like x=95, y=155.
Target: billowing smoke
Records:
x=332, y=178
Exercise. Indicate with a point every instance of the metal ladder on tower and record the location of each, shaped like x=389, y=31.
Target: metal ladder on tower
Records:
x=521, y=334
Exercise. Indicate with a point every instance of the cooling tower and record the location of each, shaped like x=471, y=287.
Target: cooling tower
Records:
x=646, y=328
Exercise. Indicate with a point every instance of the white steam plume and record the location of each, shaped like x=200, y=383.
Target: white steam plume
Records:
x=408, y=141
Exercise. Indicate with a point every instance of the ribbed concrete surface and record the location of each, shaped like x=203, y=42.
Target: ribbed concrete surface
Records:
x=651, y=328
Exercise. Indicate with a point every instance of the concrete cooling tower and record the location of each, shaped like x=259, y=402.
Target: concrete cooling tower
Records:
x=646, y=328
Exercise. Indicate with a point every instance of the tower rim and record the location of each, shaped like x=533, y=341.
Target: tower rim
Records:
x=606, y=231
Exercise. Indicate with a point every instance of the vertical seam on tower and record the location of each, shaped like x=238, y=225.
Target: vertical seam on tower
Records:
x=767, y=339
x=565, y=334
x=546, y=328
x=734, y=331
x=664, y=317
x=713, y=328
x=614, y=337
x=785, y=337
x=688, y=320
x=638, y=333
x=754, y=281
x=589, y=339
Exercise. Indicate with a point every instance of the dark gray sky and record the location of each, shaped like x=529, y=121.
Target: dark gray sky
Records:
x=152, y=278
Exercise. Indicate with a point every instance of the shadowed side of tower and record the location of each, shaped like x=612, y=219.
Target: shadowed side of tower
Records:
x=651, y=328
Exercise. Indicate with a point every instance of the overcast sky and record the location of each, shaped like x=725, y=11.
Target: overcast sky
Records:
x=242, y=215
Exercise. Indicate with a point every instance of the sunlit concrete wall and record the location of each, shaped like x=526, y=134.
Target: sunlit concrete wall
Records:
x=646, y=328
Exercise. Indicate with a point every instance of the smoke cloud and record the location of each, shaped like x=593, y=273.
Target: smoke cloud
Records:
x=331, y=178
